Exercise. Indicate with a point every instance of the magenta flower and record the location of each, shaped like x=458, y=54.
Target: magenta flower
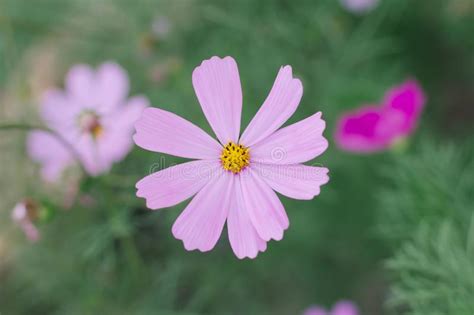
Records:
x=340, y=308
x=233, y=179
x=359, y=6
x=375, y=128
x=93, y=115
x=25, y=214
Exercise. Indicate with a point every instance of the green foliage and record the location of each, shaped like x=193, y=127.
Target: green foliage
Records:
x=430, y=185
x=428, y=216
x=436, y=270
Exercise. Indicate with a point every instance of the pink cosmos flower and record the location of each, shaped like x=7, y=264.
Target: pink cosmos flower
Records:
x=93, y=115
x=359, y=6
x=374, y=128
x=340, y=308
x=24, y=214
x=234, y=178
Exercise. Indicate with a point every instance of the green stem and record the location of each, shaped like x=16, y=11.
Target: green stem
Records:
x=61, y=139
x=20, y=126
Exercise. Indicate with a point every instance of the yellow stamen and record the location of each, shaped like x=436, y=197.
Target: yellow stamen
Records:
x=96, y=130
x=235, y=157
x=89, y=122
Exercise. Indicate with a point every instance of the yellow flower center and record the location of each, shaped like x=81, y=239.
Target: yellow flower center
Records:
x=96, y=130
x=235, y=157
x=89, y=122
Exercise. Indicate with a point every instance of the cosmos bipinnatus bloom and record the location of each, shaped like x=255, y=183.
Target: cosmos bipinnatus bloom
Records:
x=374, y=128
x=234, y=178
x=93, y=115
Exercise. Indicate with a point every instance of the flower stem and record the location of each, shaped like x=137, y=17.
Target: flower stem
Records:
x=20, y=126
x=61, y=139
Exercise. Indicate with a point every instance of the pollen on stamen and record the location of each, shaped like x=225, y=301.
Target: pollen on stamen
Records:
x=235, y=157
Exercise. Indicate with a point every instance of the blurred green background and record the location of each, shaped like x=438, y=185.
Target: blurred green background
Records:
x=391, y=231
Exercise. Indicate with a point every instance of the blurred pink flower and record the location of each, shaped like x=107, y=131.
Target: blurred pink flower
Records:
x=340, y=308
x=315, y=310
x=374, y=128
x=93, y=115
x=359, y=6
x=233, y=180
x=24, y=214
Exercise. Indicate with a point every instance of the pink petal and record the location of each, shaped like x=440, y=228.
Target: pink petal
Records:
x=80, y=84
x=200, y=225
x=125, y=116
x=57, y=111
x=30, y=230
x=44, y=148
x=20, y=216
x=295, y=181
x=408, y=99
x=243, y=238
x=116, y=141
x=293, y=144
x=279, y=105
x=177, y=183
x=113, y=146
x=360, y=130
x=315, y=310
x=112, y=86
x=162, y=131
x=263, y=206
x=19, y=212
x=92, y=159
x=97, y=155
x=345, y=308
x=217, y=85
